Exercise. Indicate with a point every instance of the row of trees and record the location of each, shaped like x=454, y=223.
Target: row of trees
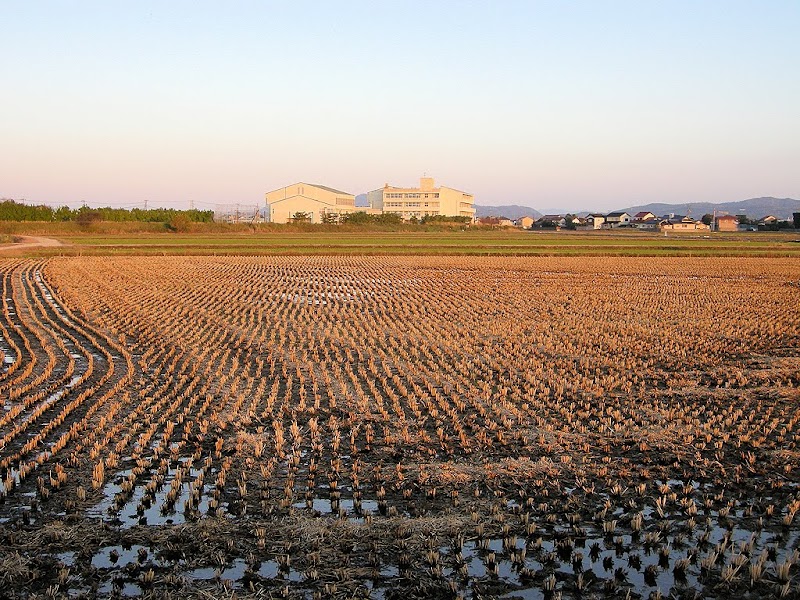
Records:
x=364, y=218
x=777, y=225
x=11, y=210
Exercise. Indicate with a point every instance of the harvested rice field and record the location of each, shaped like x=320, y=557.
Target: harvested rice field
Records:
x=400, y=427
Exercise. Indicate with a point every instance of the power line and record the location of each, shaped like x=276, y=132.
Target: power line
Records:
x=143, y=204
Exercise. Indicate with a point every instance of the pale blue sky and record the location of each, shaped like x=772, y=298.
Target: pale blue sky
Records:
x=582, y=105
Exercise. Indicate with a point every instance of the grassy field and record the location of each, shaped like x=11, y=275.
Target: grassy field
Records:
x=335, y=241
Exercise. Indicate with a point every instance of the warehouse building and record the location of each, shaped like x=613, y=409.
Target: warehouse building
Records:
x=312, y=200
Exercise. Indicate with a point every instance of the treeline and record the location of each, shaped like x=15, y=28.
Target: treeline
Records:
x=364, y=218
x=11, y=210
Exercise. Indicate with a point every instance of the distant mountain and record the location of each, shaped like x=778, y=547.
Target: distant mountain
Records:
x=511, y=211
x=361, y=200
x=755, y=208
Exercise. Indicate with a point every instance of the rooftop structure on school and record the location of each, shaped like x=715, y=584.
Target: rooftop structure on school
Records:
x=423, y=201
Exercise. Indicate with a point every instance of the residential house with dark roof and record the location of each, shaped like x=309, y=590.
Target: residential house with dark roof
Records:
x=650, y=224
x=557, y=220
x=595, y=221
x=617, y=219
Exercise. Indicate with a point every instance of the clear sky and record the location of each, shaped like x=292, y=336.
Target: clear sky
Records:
x=596, y=105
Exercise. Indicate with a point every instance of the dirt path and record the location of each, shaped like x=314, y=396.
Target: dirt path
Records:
x=28, y=243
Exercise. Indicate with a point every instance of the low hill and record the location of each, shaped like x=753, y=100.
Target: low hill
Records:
x=510, y=211
x=755, y=208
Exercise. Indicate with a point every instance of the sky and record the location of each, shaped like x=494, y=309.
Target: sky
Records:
x=580, y=105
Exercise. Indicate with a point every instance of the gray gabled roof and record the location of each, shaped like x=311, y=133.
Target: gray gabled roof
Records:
x=329, y=189
x=322, y=187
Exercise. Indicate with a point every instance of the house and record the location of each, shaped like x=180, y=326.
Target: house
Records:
x=314, y=201
x=525, y=222
x=684, y=224
x=548, y=221
x=496, y=221
x=642, y=216
x=649, y=224
x=727, y=223
x=618, y=219
x=773, y=223
x=423, y=201
x=595, y=221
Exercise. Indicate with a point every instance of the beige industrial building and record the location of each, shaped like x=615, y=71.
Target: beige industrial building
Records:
x=314, y=201
x=426, y=200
